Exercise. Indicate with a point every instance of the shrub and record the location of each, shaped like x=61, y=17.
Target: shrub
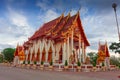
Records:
x=23, y=62
x=28, y=62
x=94, y=64
x=78, y=63
x=51, y=63
x=42, y=62
x=66, y=63
x=103, y=64
x=35, y=62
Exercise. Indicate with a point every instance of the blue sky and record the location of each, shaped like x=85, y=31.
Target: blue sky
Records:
x=20, y=18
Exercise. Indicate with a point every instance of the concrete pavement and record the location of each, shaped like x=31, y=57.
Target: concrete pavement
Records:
x=13, y=73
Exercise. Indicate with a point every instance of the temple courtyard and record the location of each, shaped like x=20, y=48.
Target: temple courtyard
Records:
x=14, y=73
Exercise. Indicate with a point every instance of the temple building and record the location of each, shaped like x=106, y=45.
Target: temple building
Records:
x=103, y=54
x=19, y=55
x=58, y=40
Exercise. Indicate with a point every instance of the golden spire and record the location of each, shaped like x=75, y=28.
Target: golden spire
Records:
x=63, y=13
x=69, y=13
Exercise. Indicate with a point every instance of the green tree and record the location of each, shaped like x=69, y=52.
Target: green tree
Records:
x=93, y=57
x=1, y=58
x=115, y=47
x=115, y=60
x=8, y=54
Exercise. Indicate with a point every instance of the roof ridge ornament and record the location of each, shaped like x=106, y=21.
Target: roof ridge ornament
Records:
x=69, y=12
x=63, y=13
x=79, y=10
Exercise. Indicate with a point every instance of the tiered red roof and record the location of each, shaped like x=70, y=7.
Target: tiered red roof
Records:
x=56, y=27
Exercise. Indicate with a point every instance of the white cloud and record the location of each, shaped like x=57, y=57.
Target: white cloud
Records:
x=20, y=22
x=100, y=27
x=42, y=4
x=18, y=19
x=15, y=30
x=48, y=16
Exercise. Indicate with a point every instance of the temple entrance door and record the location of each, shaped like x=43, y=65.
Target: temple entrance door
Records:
x=28, y=59
x=50, y=55
x=60, y=56
x=33, y=57
x=38, y=54
x=43, y=55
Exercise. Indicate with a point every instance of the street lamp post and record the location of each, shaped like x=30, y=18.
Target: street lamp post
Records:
x=114, y=5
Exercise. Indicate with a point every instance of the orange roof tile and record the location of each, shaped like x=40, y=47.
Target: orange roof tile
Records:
x=60, y=25
x=69, y=23
x=47, y=26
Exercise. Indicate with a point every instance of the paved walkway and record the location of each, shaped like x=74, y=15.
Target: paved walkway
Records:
x=12, y=73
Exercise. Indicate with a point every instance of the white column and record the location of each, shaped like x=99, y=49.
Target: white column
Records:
x=72, y=41
x=40, y=56
x=83, y=52
x=46, y=57
x=36, y=47
x=26, y=53
x=30, y=57
x=63, y=52
x=35, y=50
x=35, y=55
x=41, y=50
x=47, y=47
x=79, y=48
x=53, y=52
x=58, y=48
x=67, y=55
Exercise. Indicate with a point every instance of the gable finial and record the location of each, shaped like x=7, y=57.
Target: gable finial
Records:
x=99, y=43
x=63, y=13
x=69, y=12
x=105, y=42
x=79, y=9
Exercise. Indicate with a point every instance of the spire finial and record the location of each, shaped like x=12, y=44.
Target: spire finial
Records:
x=79, y=8
x=99, y=42
x=69, y=12
x=63, y=12
x=105, y=42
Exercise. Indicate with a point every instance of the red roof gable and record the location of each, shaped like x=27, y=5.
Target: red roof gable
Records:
x=104, y=49
x=82, y=31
